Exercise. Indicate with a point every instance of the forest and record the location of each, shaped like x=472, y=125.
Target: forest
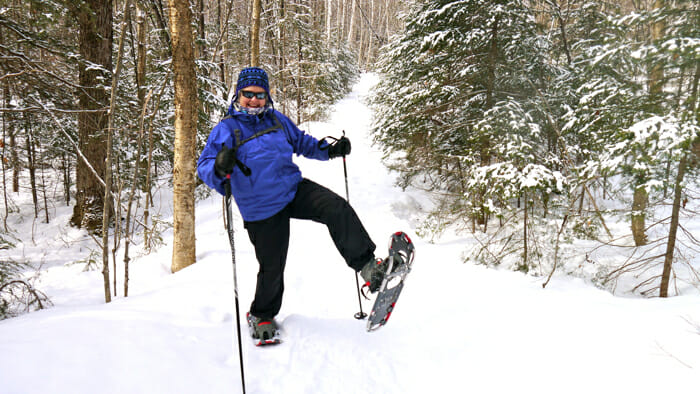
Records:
x=533, y=124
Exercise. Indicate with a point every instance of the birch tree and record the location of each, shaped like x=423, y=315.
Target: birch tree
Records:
x=185, y=83
x=255, y=35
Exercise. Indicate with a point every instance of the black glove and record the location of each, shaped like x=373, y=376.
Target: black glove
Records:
x=225, y=160
x=339, y=148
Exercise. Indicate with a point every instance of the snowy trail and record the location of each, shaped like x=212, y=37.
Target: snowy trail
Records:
x=457, y=327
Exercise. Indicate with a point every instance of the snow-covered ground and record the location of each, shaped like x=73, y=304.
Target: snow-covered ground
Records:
x=457, y=327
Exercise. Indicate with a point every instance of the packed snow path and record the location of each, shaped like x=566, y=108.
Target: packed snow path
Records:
x=456, y=327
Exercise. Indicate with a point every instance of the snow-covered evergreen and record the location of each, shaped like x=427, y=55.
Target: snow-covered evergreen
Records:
x=517, y=116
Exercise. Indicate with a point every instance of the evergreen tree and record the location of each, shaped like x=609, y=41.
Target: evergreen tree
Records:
x=612, y=66
x=654, y=150
x=465, y=99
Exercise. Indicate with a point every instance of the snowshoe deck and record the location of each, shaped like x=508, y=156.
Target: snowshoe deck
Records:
x=400, y=261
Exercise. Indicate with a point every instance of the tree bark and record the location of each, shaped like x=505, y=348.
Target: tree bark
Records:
x=656, y=74
x=14, y=159
x=95, y=41
x=525, y=263
x=255, y=35
x=341, y=20
x=185, y=135
x=329, y=6
x=202, y=43
x=639, y=205
x=3, y=161
x=31, y=163
x=299, y=76
x=66, y=170
x=351, y=27
x=282, y=80
x=562, y=30
x=157, y=10
x=671, y=245
x=141, y=53
x=9, y=130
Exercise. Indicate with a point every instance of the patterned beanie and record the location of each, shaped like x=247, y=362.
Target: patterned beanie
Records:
x=253, y=76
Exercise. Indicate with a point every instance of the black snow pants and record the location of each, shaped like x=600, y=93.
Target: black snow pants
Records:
x=270, y=238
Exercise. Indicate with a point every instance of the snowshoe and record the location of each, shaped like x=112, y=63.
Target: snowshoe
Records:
x=399, y=263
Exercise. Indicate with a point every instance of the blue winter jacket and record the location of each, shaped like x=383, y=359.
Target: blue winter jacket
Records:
x=274, y=177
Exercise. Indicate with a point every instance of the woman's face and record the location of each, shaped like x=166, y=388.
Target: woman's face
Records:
x=250, y=97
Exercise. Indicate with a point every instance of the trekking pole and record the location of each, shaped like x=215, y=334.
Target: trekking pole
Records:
x=229, y=228
x=359, y=315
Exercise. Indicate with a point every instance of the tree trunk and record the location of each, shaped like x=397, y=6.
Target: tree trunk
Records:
x=282, y=80
x=341, y=20
x=14, y=158
x=360, y=45
x=656, y=74
x=127, y=226
x=387, y=21
x=351, y=27
x=157, y=10
x=562, y=31
x=484, y=141
x=202, y=43
x=9, y=129
x=641, y=197
x=95, y=41
x=255, y=35
x=525, y=263
x=31, y=164
x=43, y=182
x=299, y=76
x=490, y=88
x=148, y=232
x=3, y=161
x=66, y=169
x=141, y=71
x=639, y=205
x=369, y=58
x=141, y=53
x=185, y=135
x=222, y=28
x=329, y=7
x=671, y=245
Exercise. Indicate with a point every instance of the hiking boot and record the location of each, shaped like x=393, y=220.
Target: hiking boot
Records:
x=263, y=329
x=374, y=272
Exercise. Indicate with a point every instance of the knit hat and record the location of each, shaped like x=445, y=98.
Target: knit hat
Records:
x=253, y=76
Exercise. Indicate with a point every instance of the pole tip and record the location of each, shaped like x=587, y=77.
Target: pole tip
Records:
x=360, y=315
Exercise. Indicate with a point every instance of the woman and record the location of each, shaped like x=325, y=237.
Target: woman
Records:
x=252, y=149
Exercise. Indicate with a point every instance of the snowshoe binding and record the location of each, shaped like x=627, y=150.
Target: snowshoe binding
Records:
x=373, y=273
x=263, y=331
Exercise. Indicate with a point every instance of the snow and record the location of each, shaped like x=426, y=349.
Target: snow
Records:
x=457, y=327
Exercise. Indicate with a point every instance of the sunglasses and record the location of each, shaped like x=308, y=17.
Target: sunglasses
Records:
x=250, y=95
